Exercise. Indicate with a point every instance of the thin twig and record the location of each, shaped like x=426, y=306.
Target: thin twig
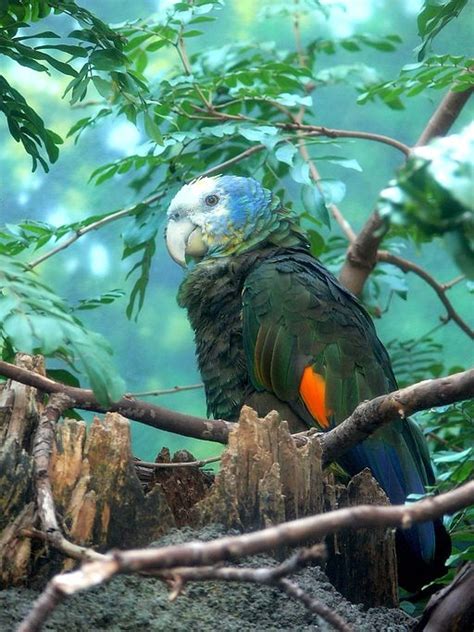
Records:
x=297, y=35
x=335, y=210
x=231, y=548
x=157, y=466
x=315, y=605
x=74, y=551
x=183, y=55
x=455, y=281
x=232, y=161
x=298, y=120
x=440, y=289
x=446, y=444
x=269, y=576
x=131, y=209
x=166, y=391
x=317, y=130
x=113, y=217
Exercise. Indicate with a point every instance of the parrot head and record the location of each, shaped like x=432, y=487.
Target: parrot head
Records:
x=221, y=216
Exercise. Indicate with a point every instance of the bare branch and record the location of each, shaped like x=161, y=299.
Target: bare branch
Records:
x=361, y=255
x=318, y=130
x=42, y=449
x=232, y=548
x=313, y=604
x=113, y=217
x=367, y=417
x=272, y=576
x=453, y=282
x=445, y=114
x=232, y=161
x=157, y=466
x=166, y=391
x=440, y=289
x=335, y=211
x=370, y=415
x=149, y=414
x=74, y=551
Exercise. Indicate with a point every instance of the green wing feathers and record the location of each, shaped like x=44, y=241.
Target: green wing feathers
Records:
x=294, y=317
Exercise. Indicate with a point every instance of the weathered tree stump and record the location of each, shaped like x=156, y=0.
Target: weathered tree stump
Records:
x=100, y=502
x=264, y=478
x=363, y=563
x=182, y=487
x=99, y=499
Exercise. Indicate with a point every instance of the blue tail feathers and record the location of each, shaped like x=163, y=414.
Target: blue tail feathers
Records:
x=400, y=469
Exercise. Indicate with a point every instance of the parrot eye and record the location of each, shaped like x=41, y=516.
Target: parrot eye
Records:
x=211, y=200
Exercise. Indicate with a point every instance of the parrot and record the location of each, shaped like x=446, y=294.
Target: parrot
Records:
x=275, y=329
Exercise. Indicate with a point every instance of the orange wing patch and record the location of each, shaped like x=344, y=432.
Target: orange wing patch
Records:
x=313, y=391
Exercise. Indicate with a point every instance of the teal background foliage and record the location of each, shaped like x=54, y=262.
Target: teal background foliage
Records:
x=106, y=103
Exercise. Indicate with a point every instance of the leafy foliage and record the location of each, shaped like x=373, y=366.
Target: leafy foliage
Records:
x=35, y=320
x=97, y=43
x=433, y=192
x=433, y=17
x=438, y=72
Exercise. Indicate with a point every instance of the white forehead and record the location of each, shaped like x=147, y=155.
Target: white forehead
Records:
x=192, y=193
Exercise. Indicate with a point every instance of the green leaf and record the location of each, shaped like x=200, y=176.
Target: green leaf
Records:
x=286, y=153
x=334, y=191
x=292, y=100
x=452, y=457
x=433, y=17
x=109, y=59
x=38, y=321
x=104, y=88
x=152, y=129
x=315, y=204
x=300, y=171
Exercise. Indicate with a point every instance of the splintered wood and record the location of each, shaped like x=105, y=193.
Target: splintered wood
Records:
x=264, y=478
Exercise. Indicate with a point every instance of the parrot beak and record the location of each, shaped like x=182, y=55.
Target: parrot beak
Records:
x=183, y=238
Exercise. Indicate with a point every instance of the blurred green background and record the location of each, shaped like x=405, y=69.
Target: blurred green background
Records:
x=157, y=350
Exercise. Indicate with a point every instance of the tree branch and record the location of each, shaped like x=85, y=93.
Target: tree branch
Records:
x=445, y=115
x=232, y=548
x=371, y=415
x=318, y=130
x=270, y=576
x=367, y=417
x=166, y=391
x=149, y=414
x=361, y=255
x=157, y=465
x=313, y=604
x=99, y=224
x=42, y=449
x=440, y=289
